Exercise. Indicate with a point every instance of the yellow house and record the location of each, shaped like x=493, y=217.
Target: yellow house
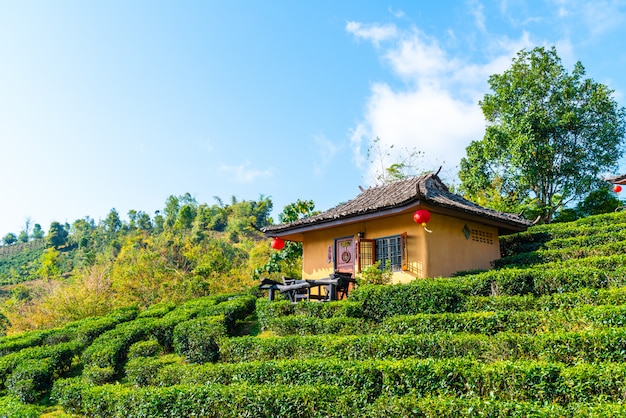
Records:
x=379, y=225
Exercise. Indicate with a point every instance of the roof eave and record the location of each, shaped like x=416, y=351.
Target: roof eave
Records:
x=505, y=227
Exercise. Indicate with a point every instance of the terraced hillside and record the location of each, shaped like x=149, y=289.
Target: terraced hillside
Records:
x=541, y=335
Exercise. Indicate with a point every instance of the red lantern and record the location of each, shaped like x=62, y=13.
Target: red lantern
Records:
x=278, y=243
x=421, y=216
x=617, y=188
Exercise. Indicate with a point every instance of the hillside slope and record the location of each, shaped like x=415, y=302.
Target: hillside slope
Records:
x=540, y=335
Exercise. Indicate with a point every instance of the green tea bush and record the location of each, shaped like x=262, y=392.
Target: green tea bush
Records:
x=157, y=310
x=105, y=358
x=270, y=310
x=30, y=379
x=446, y=406
x=196, y=339
x=90, y=328
x=604, y=344
x=267, y=310
x=420, y=296
x=488, y=323
x=561, y=254
x=60, y=357
x=501, y=303
x=11, y=407
x=20, y=341
x=212, y=401
x=306, y=325
x=525, y=322
x=144, y=371
x=232, y=308
x=567, y=300
x=364, y=378
x=146, y=348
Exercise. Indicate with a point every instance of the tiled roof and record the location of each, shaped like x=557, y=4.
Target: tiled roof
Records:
x=427, y=189
x=617, y=179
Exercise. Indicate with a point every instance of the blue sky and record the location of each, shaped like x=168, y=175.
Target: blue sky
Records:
x=120, y=104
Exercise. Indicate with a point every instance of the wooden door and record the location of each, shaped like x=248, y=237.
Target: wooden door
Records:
x=345, y=255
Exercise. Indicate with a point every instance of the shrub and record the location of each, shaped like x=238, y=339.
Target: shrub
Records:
x=147, y=348
x=196, y=339
x=447, y=406
x=157, y=310
x=142, y=371
x=306, y=325
x=420, y=296
x=105, y=358
x=18, y=342
x=89, y=329
x=207, y=401
x=59, y=358
x=12, y=407
x=374, y=274
x=30, y=380
x=268, y=311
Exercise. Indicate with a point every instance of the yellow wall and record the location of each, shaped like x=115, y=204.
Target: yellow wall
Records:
x=441, y=252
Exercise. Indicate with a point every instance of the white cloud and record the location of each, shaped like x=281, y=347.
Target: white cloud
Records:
x=244, y=173
x=374, y=32
x=357, y=136
x=477, y=11
x=396, y=13
x=429, y=120
x=418, y=58
x=326, y=150
x=603, y=16
x=436, y=111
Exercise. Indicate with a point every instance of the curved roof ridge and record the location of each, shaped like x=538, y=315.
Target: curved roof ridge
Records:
x=427, y=188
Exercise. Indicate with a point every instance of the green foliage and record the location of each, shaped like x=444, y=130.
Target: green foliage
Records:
x=30, y=380
x=206, y=400
x=12, y=407
x=196, y=339
x=37, y=232
x=428, y=296
x=9, y=239
x=288, y=261
x=57, y=235
x=543, y=335
x=50, y=264
x=374, y=274
x=142, y=349
x=550, y=134
x=306, y=325
x=269, y=311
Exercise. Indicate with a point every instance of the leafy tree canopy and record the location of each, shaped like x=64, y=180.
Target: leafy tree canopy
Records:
x=9, y=238
x=57, y=235
x=549, y=136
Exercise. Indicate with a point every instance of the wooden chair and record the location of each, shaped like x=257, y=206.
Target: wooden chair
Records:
x=296, y=295
x=343, y=284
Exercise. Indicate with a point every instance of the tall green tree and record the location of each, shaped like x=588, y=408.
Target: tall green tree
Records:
x=549, y=136
x=9, y=238
x=57, y=235
x=38, y=232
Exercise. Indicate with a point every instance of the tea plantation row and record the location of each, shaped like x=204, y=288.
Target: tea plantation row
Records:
x=540, y=335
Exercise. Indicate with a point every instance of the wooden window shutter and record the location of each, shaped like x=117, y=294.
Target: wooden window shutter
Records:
x=366, y=253
x=405, y=252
